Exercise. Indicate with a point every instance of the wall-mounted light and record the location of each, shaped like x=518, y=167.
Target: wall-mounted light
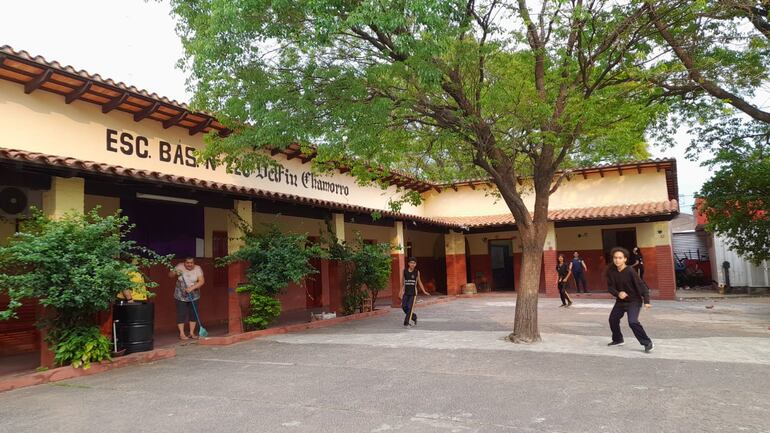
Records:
x=166, y=198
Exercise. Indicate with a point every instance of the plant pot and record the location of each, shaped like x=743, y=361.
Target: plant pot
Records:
x=469, y=289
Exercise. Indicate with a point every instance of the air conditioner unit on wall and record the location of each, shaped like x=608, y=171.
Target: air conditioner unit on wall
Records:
x=15, y=202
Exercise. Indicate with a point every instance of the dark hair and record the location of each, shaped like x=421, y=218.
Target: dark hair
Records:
x=189, y=258
x=611, y=265
x=619, y=250
x=560, y=256
x=411, y=259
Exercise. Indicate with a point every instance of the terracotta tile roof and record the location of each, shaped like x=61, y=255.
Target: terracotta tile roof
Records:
x=670, y=207
x=44, y=160
x=35, y=72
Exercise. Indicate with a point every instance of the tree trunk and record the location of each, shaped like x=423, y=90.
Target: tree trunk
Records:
x=525, y=328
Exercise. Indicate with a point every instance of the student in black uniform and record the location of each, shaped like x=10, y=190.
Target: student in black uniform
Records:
x=637, y=261
x=563, y=273
x=630, y=292
x=408, y=293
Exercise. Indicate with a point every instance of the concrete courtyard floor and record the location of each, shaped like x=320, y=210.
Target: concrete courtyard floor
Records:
x=454, y=372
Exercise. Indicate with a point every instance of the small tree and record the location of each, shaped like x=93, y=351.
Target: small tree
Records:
x=275, y=260
x=371, y=266
x=74, y=266
x=367, y=267
x=736, y=200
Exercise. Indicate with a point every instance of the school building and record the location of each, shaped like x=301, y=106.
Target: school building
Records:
x=72, y=140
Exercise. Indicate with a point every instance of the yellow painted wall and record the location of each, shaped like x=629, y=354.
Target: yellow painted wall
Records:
x=291, y=224
x=214, y=219
x=478, y=242
x=377, y=233
x=107, y=205
x=66, y=195
x=591, y=236
x=42, y=122
x=423, y=243
x=612, y=189
x=7, y=229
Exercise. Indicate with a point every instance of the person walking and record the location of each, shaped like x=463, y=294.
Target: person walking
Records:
x=562, y=273
x=408, y=293
x=630, y=293
x=187, y=293
x=637, y=262
x=578, y=269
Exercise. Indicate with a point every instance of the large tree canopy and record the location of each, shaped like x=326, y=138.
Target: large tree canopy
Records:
x=718, y=72
x=445, y=89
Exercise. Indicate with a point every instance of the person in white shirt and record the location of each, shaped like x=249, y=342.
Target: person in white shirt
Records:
x=189, y=279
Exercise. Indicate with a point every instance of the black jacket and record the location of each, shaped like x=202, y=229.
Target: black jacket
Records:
x=627, y=281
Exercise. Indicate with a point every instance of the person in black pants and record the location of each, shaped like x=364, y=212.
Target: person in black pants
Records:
x=562, y=272
x=578, y=269
x=408, y=293
x=630, y=292
x=637, y=261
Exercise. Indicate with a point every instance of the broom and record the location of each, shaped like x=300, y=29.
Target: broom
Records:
x=201, y=330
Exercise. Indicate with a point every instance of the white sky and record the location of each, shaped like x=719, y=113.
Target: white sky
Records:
x=134, y=41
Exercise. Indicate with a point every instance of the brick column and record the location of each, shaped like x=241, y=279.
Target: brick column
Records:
x=550, y=258
x=398, y=261
x=65, y=195
x=332, y=272
x=456, y=272
x=664, y=259
x=236, y=272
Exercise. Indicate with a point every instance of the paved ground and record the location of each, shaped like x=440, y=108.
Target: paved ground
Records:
x=710, y=372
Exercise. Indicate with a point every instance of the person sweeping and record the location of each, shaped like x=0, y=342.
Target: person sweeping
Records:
x=408, y=292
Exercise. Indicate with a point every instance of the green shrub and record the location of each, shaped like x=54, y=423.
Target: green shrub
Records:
x=80, y=346
x=73, y=265
x=275, y=259
x=263, y=310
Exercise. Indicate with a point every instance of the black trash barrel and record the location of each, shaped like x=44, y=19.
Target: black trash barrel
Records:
x=135, y=325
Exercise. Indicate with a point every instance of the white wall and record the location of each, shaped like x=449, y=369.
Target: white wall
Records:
x=742, y=272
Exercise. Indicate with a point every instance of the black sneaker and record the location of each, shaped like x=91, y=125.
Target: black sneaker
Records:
x=649, y=347
x=414, y=319
x=562, y=305
x=616, y=343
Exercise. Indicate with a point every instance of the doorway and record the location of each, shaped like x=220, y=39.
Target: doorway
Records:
x=501, y=256
x=612, y=238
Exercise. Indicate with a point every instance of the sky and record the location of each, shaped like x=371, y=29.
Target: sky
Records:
x=134, y=41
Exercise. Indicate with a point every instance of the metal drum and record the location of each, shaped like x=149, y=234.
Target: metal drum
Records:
x=135, y=325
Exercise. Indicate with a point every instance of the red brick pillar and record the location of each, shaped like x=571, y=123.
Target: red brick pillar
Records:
x=325, y=283
x=336, y=285
x=46, y=355
x=236, y=274
x=664, y=259
x=550, y=258
x=456, y=272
